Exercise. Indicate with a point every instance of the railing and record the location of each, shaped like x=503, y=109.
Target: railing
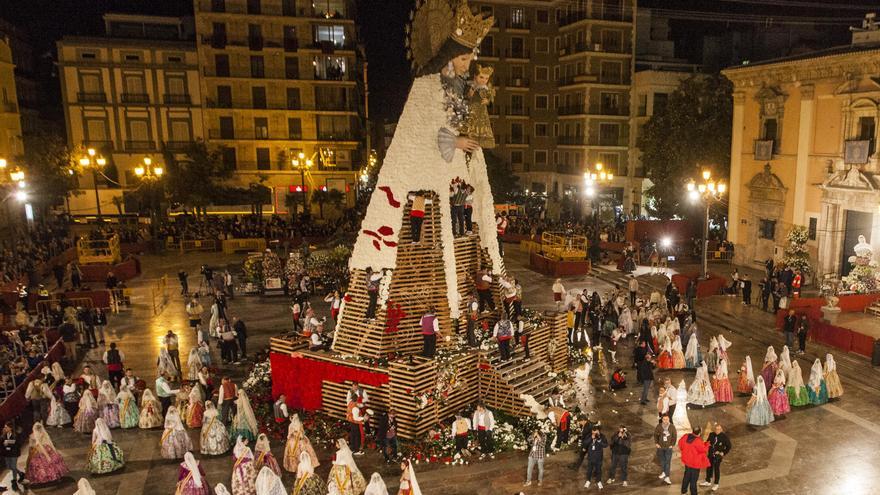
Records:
x=178, y=145
x=187, y=245
x=570, y=110
x=516, y=140
x=99, y=250
x=571, y=140
x=83, y=97
x=323, y=106
x=329, y=46
x=337, y=136
x=517, y=82
x=608, y=110
x=721, y=256
x=583, y=47
x=140, y=145
x=231, y=246
x=523, y=25
x=516, y=54
x=609, y=141
x=577, y=79
x=251, y=134
x=176, y=99
x=135, y=98
x=518, y=111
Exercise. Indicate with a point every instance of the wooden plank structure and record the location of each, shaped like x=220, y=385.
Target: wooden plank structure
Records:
x=417, y=283
x=479, y=375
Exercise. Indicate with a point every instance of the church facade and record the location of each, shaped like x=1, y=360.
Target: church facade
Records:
x=804, y=153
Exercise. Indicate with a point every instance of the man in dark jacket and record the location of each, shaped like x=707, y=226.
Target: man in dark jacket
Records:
x=788, y=328
x=664, y=439
x=621, y=446
x=803, y=328
x=596, y=444
x=766, y=290
x=11, y=451
x=719, y=446
x=694, y=456
x=644, y=373
x=586, y=429
x=240, y=333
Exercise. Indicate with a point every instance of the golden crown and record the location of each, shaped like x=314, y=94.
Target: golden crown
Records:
x=485, y=70
x=470, y=28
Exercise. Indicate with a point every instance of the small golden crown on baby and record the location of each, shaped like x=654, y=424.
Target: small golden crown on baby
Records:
x=470, y=28
x=485, y=70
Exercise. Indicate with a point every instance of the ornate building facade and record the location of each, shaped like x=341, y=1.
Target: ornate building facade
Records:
x=804, y=153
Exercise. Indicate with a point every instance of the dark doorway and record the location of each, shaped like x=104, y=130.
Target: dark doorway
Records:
x=857, y=223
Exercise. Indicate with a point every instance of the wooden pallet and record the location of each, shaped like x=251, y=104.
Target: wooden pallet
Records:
x=874, y=308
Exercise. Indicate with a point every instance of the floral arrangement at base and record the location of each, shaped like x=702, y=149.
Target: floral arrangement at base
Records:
x=253, y=269
x=796, y=255
x=271, y=265
x=294, y=267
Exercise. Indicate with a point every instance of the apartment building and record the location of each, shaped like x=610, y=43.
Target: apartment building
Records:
x=563, y=77
x=10, y=120
x=129, y=94
x=279, y=79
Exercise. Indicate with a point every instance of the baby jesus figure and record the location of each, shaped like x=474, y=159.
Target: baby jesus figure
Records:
x=480, y=95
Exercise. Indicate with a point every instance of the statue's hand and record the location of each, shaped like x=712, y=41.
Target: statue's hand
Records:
x=466, y=144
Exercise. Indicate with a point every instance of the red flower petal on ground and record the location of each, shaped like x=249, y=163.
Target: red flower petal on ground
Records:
x=386, y=230
x=390, y=243
x=376, y=245
x=370, y=232
x=389, y=195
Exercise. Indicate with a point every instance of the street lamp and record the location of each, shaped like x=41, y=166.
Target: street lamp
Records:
x=301, y=163
x=150, y=174
x=95, y=162
x=594, y=179
x=11, y=175
x=708, y=191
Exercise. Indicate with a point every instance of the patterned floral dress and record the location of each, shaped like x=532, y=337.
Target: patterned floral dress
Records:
x=105, y=458
x=129, y=414
x=45, y=465
x=297, y=444
x=243, y=475
x=214, y=439
x=187, y=486
x=311, y=484
x=346, y=481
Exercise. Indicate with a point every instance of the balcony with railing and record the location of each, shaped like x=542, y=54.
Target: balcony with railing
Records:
x=599, y=109
x=178, y=145
x=515, y=140
x=176, y=99
x=517, y=82
x=253, y=134
x=85, y=97
x=520, y=25
x=140, y=145
x=137, y=98
x=571, y=17
x=344, y=135
x=582, y=78
x=516, y=54
x=571, y=110
x=571, y=141
x=610, y=141
x=517, y=111
x=583, y=47
x=255, y=43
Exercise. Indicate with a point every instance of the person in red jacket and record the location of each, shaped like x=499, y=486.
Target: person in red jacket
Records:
x=694, y=456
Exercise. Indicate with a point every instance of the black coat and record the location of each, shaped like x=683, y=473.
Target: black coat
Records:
x=621, y=445
x=596, y=446
x=10, y=445
x=719, y=444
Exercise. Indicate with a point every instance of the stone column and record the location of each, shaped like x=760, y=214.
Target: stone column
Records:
x=804, y=146
x=737, y=195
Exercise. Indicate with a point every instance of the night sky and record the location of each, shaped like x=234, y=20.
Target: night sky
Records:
x=381, y=24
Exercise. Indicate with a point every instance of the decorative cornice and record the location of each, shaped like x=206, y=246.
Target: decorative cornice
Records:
x=839, y=66
x=808, y=91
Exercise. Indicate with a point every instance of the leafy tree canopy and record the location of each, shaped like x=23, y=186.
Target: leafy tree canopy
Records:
x=690, y=132
x=194, y=177
x=47, y=163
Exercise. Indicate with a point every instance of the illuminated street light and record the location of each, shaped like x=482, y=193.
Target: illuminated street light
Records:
x=21, y=195
x=94, y=162
x=708, y=191
x=593, y=180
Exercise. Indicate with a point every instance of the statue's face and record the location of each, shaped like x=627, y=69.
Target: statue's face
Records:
x=461, y=64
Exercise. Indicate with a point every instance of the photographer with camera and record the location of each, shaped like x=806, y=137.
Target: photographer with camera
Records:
x=621, y=446
x=596, y=445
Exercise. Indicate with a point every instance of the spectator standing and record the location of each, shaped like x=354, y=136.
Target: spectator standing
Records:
x=68, y=336
x=719, y=446
x=596, y=445
x=114, y=358
x=194, y=312
x=644, y=371
x=746, y=283
x=694, y=456
x=621, y=446
x=558, y=293
x=172, y=346
x=355, y=418
x=241, y=334
x=789, y=325
x=184, y=282
x=803, y=328
x=537, y=443
x=227, y=394
x=388, y=435
x=11, y=452
x=633, y=290
x=229, y=283
x=664, y=439
x=228, y=346
x=100, y=322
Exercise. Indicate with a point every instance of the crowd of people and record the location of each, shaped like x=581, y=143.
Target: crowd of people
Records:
x=26, y=249
x=253, y=226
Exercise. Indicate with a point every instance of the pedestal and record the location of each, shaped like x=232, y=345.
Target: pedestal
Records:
x=830, y=314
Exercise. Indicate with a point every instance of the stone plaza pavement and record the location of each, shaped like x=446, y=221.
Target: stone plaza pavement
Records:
x=814, y=450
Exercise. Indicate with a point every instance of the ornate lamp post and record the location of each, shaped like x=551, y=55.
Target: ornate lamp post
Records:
x=708, y=192
x=150, y=173
x=301, y=163
x=593, y=180
x=94, y=162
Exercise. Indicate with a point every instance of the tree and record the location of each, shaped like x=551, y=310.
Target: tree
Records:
x=502, y=180
x=691, y=131
x=330, y=196
x=194, y=180
x=49, y=168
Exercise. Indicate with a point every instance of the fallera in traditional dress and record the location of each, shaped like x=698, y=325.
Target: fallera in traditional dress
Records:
x=722, y=388
x=244, y=476
x=84, y=421
x=797, y=397
x=214, y=438
x=769, y=371
x=194, y=414
x=677, y=359
x=244, y=424
x=44, y=464
x=758, y=411
x=296, y=445
x=175, y=442
x=664, y=361
x=779, y=401
x=266, y=459
x=746, y=382
x=818, y=395
x=187, y=483
x=311, y=484
x=129, y=414
x=58, y=415
x=110, y=413
x=700, y=392
x=832, y=383
x=105, y=458
x=151, y=414
x=348, y=482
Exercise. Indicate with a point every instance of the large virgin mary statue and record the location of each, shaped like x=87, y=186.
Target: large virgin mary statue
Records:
x=427, y=152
